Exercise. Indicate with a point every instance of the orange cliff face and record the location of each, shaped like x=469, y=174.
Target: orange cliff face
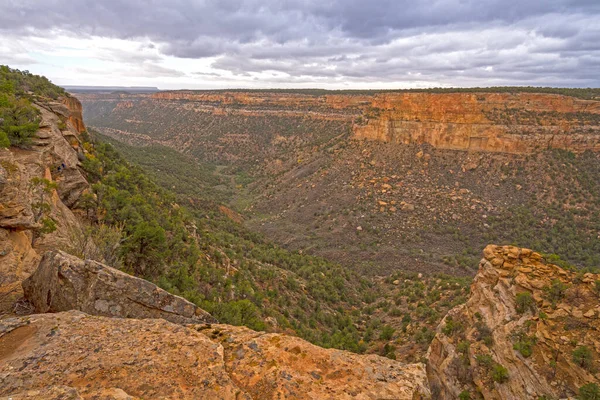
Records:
x=75, y=113
x=494, y=122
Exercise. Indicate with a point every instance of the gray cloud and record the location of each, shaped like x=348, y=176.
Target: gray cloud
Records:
x=452, y=42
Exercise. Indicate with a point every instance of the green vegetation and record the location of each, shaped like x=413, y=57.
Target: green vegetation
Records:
x=22, y=83
x=589, y=391
x=484, y=333
x=464, y=395
x=572, y=206
x=179, y=173
x=500, y=373
x=413, y=306
x=485, y=360
x=497, y=372
x=19, y=120
x=201, y=254
x=524, y=302
x=387, y=332
x=452, y=326
x=584, y=357
x=41, y=190
x=555, y=292
x=524, y=343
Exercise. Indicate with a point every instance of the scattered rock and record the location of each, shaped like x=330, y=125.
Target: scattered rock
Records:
x=406, y=206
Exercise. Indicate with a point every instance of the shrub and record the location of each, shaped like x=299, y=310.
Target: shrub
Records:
x=387, y=332
x=4, y=141
x=589, y=391
x=451, y=326
x=19, y=121
x=464, y=395
x=463, y=348
x=499, y=374
x=484, y=333
x=524, y=345
x=524, y=302
x=485, y=360
x=555, y=292
x=583, y=357
x=41, y=190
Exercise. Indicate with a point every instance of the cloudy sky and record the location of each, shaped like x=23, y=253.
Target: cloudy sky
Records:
x=304, y=43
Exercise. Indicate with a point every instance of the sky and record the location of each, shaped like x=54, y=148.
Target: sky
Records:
x=333, y=44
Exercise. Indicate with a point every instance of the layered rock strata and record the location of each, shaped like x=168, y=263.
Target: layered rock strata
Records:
x=526, y=316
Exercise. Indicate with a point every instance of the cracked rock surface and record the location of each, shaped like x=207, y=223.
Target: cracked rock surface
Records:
x=72, y=355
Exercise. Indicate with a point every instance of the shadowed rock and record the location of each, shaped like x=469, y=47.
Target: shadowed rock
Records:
x=63, y=282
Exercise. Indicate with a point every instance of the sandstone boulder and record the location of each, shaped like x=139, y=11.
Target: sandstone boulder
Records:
x=63, y=282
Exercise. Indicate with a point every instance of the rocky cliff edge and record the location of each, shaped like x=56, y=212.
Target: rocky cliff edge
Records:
x=529, y=329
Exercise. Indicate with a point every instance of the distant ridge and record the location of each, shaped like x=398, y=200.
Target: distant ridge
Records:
x=111, y=89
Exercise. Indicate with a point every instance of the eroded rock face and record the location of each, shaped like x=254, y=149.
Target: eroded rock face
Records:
x=97, y=357
x=70, y=108
x=63, y=282
x=492, y=122
x=519, y=123
x=494, y=324
x=51, y=147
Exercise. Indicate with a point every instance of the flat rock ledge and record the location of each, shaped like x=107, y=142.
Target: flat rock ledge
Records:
x=72, y=355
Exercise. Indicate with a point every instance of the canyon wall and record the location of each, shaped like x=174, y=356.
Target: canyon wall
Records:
x=492, y=122
x=57, y=142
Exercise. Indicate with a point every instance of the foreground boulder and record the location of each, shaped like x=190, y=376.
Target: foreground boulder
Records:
x=72, y=355
x=63, y=282
x=530, y=330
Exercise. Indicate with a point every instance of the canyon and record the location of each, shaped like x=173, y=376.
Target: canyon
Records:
x=495, y=122
x=73, y=326
x=427, y=176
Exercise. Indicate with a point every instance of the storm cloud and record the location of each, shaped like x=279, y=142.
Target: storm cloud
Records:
x=336, y=43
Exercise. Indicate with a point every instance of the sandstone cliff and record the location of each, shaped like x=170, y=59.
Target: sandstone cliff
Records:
x=510, y=123
x=527, y=316
x=57, y=144
x=495, y=122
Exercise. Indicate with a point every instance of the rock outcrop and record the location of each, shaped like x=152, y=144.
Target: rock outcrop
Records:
x=81, y=356
x=63, y=282
x=55, y=143
x=518, y=334
x=70, y=109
